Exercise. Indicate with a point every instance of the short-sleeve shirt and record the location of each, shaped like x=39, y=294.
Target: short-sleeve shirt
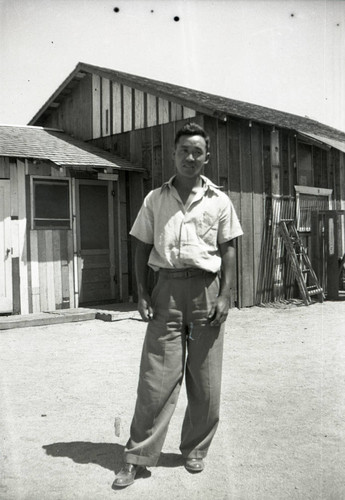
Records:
x=186, y=236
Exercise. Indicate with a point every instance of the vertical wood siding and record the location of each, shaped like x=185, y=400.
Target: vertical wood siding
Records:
x=50, y=283
x=51, y=269
x=105, y=114
x=96, y=106
x=119, y=108
x=74, y=113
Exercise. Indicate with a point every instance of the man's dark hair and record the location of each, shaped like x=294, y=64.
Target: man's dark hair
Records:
x=192, y=129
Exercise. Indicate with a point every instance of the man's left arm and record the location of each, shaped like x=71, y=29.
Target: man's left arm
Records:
x=220, y=309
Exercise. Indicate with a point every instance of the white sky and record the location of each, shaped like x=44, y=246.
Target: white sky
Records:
x=284, y=54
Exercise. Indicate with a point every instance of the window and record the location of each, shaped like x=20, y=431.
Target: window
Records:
x=308, y=200
x=51, y=204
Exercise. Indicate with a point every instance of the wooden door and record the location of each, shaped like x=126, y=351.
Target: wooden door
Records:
x=95, y=242
x=6, y=302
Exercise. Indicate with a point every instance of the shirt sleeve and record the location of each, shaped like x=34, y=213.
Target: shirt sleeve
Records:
x=143, y=226
x=229, y=225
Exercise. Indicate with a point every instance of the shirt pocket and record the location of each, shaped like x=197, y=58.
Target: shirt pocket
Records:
x=207, y=227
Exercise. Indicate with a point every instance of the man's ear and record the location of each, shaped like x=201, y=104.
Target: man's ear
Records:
x=207, y=158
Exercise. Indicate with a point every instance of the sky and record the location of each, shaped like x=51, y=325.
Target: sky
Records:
x=283, y=54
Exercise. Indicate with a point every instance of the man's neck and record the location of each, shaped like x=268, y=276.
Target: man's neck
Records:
x=186, y=185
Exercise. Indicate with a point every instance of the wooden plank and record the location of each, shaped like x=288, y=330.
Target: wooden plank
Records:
x=96, y=106
x=42, y=259
x=127, y=108
x=105, y=107
x=57, y=268
x=188, y=112
x=258, y=201
x=138, y=109
x=14, y=190
x=52, y=318
x=4, y=167
x=50, y=270
x=116, y=111
x=163, y=111
x=118, y=224
x=70, y=270
x=65, y=286
x=112, y=269
x=22, y=240
x=35, y=282
x=168, y=137
x=211, y=169
x=176, y=111
x=151, y=110
x=246, y=242
x=157, y=164
x=223, y=172
x=136, y=147
x=6, y=282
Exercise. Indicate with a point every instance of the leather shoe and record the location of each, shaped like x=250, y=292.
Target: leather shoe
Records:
x=194, y=464
x=126, y=475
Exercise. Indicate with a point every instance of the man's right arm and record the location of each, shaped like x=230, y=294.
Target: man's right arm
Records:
x=142, y=255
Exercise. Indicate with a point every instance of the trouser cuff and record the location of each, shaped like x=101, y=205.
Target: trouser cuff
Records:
x=194, y=454
x=130, y=458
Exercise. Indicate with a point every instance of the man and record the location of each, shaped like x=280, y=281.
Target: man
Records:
x=185, y=231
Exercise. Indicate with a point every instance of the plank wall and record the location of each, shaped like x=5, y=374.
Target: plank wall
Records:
x=118, y=108
x=73, y=114
x=50, y=257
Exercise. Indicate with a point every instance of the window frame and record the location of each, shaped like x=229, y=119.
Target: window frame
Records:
x=313, y=191
x=50, y=180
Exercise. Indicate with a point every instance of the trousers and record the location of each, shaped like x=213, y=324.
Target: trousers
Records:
x=179, y=342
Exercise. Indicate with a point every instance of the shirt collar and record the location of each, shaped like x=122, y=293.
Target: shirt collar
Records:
x=207, y=184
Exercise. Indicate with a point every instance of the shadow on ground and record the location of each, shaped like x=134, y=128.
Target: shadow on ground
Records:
x=106, y=455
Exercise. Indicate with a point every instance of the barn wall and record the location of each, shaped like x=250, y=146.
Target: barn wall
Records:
x=257, y=165
x=74, y=113
x=118, y=108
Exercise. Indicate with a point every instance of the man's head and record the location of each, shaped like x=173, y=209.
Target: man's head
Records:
x=191, y=129
x=191, y=150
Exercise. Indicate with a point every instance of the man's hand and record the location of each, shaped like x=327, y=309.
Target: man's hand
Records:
x=219, y=311
x=145, y=308
x=142, y=254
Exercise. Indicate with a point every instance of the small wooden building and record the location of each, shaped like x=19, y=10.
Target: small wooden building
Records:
x=60, y=209
x=273, y=165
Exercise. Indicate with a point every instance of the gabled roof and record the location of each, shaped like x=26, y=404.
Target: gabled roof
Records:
x=203, y=102
x=54, y=145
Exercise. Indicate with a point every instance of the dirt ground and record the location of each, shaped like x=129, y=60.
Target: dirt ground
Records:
x=281, y=436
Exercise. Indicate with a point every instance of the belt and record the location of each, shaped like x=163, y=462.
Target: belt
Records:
x=189, y=272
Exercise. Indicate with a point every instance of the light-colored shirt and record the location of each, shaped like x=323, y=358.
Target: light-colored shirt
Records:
x=186, y=236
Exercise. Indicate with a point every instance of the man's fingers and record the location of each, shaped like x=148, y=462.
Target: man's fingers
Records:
x=212, y=312
x=146, y=312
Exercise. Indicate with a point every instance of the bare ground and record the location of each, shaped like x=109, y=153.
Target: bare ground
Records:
x=282, y=433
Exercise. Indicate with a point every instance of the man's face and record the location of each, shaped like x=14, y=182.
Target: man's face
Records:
x=190, y=155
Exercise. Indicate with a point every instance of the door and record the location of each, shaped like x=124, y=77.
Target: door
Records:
x=5, y=248
x=95, y=242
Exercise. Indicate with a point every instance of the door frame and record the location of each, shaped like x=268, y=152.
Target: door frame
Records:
x=77, y=236
x=7, y=302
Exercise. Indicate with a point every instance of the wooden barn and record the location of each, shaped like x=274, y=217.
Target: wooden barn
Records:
x=273, y=164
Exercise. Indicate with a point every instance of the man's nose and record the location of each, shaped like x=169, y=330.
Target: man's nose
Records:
x=190, y=157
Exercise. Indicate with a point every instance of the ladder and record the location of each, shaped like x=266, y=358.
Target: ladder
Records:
x=305, y=276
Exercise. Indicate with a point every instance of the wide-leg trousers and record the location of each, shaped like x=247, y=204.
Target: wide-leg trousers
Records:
x=179, y=341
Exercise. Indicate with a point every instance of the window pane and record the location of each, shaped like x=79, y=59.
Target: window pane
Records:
x=51, y=204
x=94, y=231
x=51, y=200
